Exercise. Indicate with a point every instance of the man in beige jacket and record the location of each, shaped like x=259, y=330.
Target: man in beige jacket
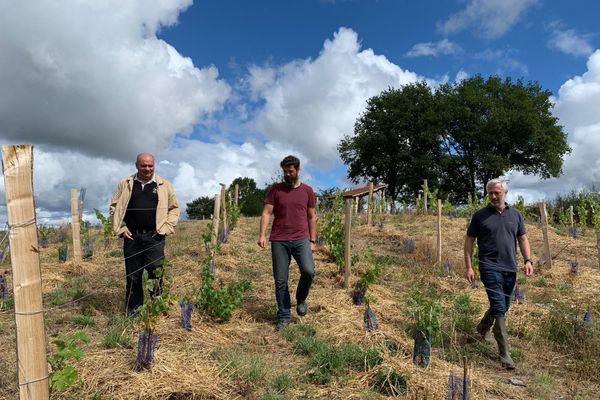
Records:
x=143, y=211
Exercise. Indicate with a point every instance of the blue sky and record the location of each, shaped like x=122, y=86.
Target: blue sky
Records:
x=221, y=89
x=234, y=33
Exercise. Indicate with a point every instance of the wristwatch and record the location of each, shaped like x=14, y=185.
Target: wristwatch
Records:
x=312, y=241
x=528, y=260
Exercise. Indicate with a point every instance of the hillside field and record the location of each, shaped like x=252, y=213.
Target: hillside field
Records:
x=328, y=354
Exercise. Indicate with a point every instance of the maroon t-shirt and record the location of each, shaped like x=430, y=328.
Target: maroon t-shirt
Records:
x=290, y=208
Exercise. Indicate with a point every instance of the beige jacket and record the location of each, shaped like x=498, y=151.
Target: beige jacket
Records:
x=167, y=211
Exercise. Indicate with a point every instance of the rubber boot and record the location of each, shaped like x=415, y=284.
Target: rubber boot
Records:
x=501, y=336
x=485, y=325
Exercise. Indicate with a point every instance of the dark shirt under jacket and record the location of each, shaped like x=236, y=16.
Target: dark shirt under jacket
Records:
x=496, y=235
x=141, y=210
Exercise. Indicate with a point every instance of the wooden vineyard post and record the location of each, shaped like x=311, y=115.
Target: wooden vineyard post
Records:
x=544, y=216
x=80, y=202
x=347, y=242
x=17, y=163
x=465, y=379
x=598, y=245
x=425, y=190
x=236, y=194
x=215, y=233
x=224, y=208
x=439, y=233
x=75, y=227
x=370, y=205
x=571, y=216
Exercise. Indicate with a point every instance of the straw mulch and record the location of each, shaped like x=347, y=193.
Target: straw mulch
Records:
x=206, y=362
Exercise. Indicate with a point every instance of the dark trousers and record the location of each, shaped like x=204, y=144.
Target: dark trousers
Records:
x=282, y=252
x=144, y=252
x=499, y=286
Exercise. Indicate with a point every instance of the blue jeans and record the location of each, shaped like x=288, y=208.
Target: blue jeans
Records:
x=282, y=252
x=499, y=286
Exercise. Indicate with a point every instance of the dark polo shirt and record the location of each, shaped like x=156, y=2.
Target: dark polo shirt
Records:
x=141, y=210
x=496, y=235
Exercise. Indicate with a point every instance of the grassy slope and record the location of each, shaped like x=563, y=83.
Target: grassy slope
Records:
x=246, y=358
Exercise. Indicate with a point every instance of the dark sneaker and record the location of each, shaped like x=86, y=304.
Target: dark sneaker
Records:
x=302, y=309
x=281, y=324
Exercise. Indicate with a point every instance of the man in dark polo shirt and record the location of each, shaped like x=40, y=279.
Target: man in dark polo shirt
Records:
x=293, y=234
x=143, y=211
x=498, y=228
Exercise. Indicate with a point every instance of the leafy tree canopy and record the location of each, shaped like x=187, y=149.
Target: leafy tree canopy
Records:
x=395, y=140
x=458, y=136
x=246, y=186
x=491, y=126
x=200, y=208
x=253, y=204
x=250, y=198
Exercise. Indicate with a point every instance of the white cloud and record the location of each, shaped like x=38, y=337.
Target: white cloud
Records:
x=489, y=18
x=505, y=61
x=461, y=75
x=578, y=109
x=93, y=76
x=311, y=104
x=578, y=103
x=56, y=172
x=259, y=79
x=569, y=42
x=195, y=169
x=220, y=163
x=442, y=47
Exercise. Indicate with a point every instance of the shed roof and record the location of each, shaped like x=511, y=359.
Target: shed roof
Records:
x=359, y=192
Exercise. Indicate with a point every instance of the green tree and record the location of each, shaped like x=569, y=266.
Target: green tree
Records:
x=326, y=198
x=253, y=204
x=246, y=186
x=396, y=141
x=202, y=207
x=494, y=125
x=250, y=198
x=458, y=137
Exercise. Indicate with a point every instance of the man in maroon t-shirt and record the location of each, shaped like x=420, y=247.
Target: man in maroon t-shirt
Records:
x=292, y=235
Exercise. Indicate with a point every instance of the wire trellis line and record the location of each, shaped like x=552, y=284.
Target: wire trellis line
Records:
x=91, y=294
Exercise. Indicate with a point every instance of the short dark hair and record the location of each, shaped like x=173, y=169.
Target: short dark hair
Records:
x=290, y=161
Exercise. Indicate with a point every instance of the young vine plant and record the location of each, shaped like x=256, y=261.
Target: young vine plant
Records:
x=333, y=230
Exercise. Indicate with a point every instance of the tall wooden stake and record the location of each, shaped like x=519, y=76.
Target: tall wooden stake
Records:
x=425, y=190
x=370, y=205
x=17, y=163
x=215, y=233
x=598, y=246
x=347, y=242
x=224, y=207
x=75, y=226
x=439, y=233
x=237, y=194
x=465, y=379
x=571, y=215
x=356, y=205
x=544, y=216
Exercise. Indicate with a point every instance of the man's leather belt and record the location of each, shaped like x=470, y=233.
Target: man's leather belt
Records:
x=143, y=231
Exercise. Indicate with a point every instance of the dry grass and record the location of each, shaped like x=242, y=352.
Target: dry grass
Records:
x=243, y=357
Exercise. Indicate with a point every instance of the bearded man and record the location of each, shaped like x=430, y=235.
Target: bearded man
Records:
x=293, y=234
